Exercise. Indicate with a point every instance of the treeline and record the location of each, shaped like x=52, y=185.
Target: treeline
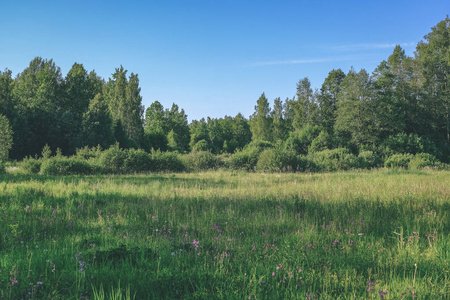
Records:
x=401, y=108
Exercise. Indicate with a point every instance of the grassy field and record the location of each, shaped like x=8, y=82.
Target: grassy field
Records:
x=222, y=235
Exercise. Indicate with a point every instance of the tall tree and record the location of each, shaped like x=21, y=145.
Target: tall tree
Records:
x=279, y=128
x=39, y=98
x=327, y=99
x=396, y=105
x=354, y=114
x=97, y=126
x=125, y=104
x=434, y=57
x=155, y=128
x=6, y=96
x=304, y=109
x=260, y=121
x=178, y=123
x=6, y=138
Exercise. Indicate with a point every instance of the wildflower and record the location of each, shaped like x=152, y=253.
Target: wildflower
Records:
x=273, y=273
x=39, y=283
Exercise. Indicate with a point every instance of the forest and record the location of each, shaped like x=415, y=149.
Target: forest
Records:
x=398, y=112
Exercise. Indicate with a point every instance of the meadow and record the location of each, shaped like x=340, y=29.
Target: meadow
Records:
x=364, y=234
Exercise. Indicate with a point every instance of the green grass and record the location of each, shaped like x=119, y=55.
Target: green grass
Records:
x=226, y=235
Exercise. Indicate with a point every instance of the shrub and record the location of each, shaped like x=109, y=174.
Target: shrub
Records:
x=322, y=142
x=369, y=159
x=300, y=141
x=201, y=145
x=409, y=143
x=65, y=166
x=89, y=153
x=244, y=159
x=247, y=158
x=31, y=165
x=398, y=160
x=113, y=160
x=422, y=160
x=267, y=161
x=167, y=162
x=202, y=160
x=334, y=160
x=282, y=160
x=137, y=161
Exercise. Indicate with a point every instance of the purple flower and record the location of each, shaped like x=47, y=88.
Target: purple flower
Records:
x=39, y=283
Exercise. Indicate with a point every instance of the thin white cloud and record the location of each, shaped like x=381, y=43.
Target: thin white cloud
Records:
x=374, y=46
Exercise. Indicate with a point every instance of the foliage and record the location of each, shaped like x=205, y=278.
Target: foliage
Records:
x=137, y=161
x=300, y=141
x=167, y=162
x=112, y=160
x=369, y=159
x=398, y=160
x=409, y=143
x=65, y=166
x=334, y=160
x=201, y=161
x=422, y=160
x=89, y=153
x=31, y=165
x=6, y=138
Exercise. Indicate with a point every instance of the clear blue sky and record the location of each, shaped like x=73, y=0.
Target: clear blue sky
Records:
x=214, y=57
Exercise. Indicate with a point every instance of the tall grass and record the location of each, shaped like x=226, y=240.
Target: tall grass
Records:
x=226, y=235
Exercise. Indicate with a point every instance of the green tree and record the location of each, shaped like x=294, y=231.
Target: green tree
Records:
x=178, y=123
x=327, y=99
x=199, y=132
x=433, y=55
x=6, y=96
x=97, y=124
x=38, y=97
x=304, y=109
x=354, y=114
x=155, y=128
x=279, y=126
x=261, y=122
x=6, y=138
x=125, y=104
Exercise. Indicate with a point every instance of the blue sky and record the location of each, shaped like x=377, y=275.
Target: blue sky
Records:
x=214, y=58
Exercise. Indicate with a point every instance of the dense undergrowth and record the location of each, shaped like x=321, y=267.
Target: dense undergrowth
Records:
x=379, y=234
x=257, y=156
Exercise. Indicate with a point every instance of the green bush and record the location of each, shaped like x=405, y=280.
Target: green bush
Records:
x=267, y=161
x=137, y=161
x=398, y=160
x=300, y=141
x=89, y=153
x=369, y=159
x=167, y=162
x=247, y=158
x=282, y=160
x=322, y=142
x=65, y=166
x=113, y=160
x=244, y=159
x=334, y=160
x=31, y=165
x=423, y=160
x=409, y=143
x=202, y=160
